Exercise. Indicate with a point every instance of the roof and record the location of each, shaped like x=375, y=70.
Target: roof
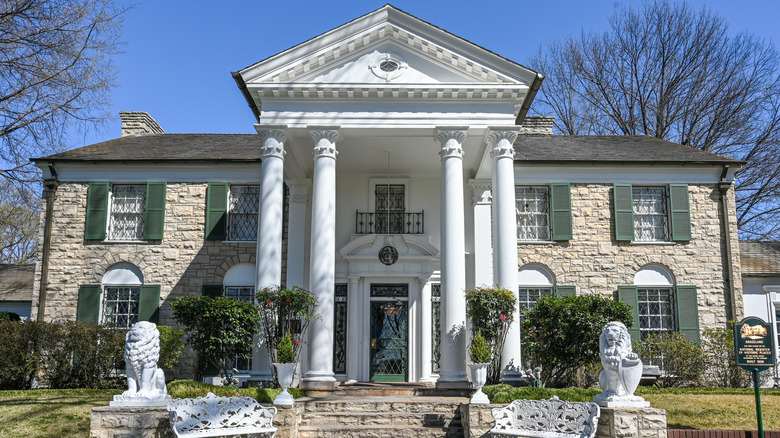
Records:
x=16, y=282
x=168, y=147
x=609, y=148
x=760, y=259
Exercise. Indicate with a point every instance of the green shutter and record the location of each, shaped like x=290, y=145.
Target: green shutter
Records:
x=688, y=312
x=216, y=211
x=212, y=290
x=560, y=202
x=624, y=212
x=97, y=211
x=155, y=210
x=149, y=303
x=681, y=212
x=628, y=295
x=565, y=291
x=88, y=307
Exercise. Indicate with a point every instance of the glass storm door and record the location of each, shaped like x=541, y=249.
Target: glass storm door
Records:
x=389, y=335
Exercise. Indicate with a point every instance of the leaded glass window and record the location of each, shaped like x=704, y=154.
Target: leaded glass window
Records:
x=120, y=305
x=532, y=207
x=656, y=311
x=340, y=330
x=436, y=325
x=244, y=204
x=390, y=209
x=126, y=221
x=650, y=214
x=241, y=293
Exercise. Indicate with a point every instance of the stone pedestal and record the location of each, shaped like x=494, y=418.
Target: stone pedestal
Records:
x=477, y=420
x=632, y=422
x=126, y=421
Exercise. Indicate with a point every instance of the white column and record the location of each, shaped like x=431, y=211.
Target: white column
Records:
x=483, y=241
x=426, y=335
x=354, y=335
x=268, y=263
x=269, y=224
x=453, y=259
x=296, y=232
x=322, y=263
x=501, y=141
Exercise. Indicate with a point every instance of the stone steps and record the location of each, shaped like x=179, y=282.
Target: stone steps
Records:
x=381, y=417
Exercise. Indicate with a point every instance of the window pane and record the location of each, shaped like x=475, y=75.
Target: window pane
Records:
x=655, y=311
x=120, y=305
x=126, y=221
x=650, y=216
x=532, y=208
x=244, y=204
x=242, y=293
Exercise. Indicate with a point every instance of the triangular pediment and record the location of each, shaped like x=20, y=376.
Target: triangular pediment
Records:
x=418, y=53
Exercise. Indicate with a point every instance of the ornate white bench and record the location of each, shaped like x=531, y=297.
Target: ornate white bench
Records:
x=551, y=418
x=217, y=416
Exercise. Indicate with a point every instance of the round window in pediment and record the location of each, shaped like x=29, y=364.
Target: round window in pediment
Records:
x=388, y=67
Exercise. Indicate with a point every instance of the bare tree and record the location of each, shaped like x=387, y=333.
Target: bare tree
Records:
x=19, y=216
x=55, y=72
x=670, y=72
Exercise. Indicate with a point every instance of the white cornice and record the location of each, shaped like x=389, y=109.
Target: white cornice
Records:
x=390, y=91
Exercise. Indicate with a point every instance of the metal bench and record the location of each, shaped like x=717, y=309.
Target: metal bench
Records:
x=553, y=418
x=218, y=416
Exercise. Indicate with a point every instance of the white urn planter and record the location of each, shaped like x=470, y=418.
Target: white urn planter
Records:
x=478, y=379
x=285, y=373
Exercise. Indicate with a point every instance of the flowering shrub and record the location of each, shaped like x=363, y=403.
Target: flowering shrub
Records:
x=285, y=312
x=491, y=311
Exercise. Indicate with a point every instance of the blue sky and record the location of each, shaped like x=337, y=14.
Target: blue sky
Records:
x=178, y=55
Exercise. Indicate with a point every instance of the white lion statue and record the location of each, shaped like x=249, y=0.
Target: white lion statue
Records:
x=145, y=381
x=622, y=368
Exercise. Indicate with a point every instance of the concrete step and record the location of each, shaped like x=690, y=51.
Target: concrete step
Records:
x=379, y=431
x=434, y=419
x=382, y=404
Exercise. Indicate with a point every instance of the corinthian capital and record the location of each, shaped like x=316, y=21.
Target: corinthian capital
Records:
x=451, y=139
x=325, y=138
x=501, y=141
x=273, y=140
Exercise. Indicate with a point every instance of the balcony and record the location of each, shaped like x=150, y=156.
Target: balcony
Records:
x=389, y=223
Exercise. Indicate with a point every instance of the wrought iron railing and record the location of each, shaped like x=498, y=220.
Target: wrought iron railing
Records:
x=389, y=223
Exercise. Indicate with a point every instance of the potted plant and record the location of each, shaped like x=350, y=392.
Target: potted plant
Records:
x=286, y=314
x=285, y=370
x=480, y=358
x=491, y=311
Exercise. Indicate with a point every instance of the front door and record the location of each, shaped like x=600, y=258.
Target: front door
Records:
x=389, y=333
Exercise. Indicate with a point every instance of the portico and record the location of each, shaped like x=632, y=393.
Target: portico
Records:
x=389, y=135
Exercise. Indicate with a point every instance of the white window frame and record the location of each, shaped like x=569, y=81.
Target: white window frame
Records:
x=537, y=237
x=664, y=228
x=121, y=276
x=230, y=236
x=656, y=278
x=111, y=233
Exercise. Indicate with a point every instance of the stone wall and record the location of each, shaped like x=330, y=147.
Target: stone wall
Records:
x=596, y=263
x=181, y=263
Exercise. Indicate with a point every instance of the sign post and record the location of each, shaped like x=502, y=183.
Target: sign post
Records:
x=755, y=353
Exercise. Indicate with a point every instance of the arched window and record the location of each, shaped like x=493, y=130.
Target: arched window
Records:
x=655, y=300
x=533, y=282
x=122, y=296
x=239, y=283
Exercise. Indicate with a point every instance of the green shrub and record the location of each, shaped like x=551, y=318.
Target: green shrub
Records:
x=19, y=353
x=171, y=346
x=682, y=362
x=219, y=329
x=284, y=353
x=506, y=394
x=285, y=311
x=479, y=351
x=192, y=389
x=491, y=312
x=561, y=334
x=9, y=316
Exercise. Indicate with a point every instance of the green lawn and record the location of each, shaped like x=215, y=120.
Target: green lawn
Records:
x=66, y=413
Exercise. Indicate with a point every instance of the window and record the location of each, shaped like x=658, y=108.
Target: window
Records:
x=126, y=221
x=659, y=306
x=125, y=212
x=238, y=284
x=244, y=205
x=390, y=210
x=652, y=214
x=122, y=298
x=543, y=213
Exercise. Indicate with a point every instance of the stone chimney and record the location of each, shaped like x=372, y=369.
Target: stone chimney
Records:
x=537, y=125
x=138, y=123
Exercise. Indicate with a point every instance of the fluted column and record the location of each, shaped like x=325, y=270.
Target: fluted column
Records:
x=322, y=264
x=269, y=223
x=452, y=369
x=501, y=141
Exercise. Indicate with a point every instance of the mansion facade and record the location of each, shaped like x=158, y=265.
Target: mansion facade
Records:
x=394, y=167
